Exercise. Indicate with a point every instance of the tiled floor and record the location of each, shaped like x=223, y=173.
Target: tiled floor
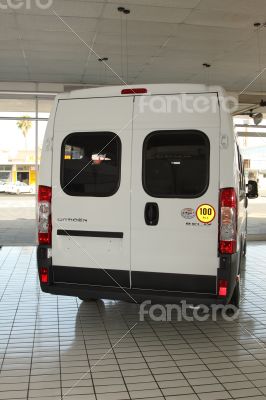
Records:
x=58, y=347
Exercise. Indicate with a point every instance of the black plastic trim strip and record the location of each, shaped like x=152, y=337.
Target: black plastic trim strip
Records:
x=67, y=232
x=92, y=276
x=174, y=282
x=140, y=280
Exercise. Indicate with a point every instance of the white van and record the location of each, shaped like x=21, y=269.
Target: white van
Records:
x=142, y=196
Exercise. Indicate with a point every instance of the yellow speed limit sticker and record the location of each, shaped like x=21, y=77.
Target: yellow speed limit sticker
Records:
x=205, y=213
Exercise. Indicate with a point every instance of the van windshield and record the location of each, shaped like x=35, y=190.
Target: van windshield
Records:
x=176, y=163
x=90, y=164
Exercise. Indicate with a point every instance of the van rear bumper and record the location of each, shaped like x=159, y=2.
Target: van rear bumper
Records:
x=130, y=295
x=88, y=283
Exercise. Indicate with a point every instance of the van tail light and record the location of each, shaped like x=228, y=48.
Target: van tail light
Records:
x=44, y=215
x=222, y=287
x=228, y=221
x=44, y=275
x=134, y=91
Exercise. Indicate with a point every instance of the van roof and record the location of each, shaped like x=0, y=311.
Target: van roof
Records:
x=169, y=88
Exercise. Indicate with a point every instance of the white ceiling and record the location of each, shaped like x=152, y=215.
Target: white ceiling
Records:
x=168, y=41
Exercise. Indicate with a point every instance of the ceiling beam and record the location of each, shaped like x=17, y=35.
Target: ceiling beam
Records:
x=251, y=134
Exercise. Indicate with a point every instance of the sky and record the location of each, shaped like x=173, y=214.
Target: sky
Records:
x=11, y=137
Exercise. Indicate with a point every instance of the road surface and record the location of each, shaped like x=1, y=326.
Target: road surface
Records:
x=17, y=220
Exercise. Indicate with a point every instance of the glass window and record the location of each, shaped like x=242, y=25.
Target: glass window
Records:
x=176, y=163
x=5, y=176
x=5, y=167
x=90, y=164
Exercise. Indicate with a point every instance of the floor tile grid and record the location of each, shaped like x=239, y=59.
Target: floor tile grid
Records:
x=127, y=332
x=4, y=253
x=59, y=348
x=158, y=388
x=209, y=367
x=25, y=255
x=185, y=338
x=174, y=361
x=90, y=366
x=255, y=280
x=6, y=275
x=45, y=376
x=91, y=362
x=114, y=340
x=13, y=295
x=244, y=329
x=33, y=346
x=179, y=324
x=255, y=268
x=255, y=296
x=18, y=302
x=235, y=364
x=123, y=307
x=239, y=370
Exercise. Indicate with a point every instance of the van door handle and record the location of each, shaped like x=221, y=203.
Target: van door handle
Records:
x=151, y=213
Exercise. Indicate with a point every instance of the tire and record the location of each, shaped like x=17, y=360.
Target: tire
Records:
x=235, y=300
x=87, y=299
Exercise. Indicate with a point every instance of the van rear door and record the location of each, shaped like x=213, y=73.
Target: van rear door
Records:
x=91, y=191
x=175, y=190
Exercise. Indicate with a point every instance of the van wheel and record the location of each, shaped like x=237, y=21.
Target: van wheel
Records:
x=235, y=300
x=87, y=299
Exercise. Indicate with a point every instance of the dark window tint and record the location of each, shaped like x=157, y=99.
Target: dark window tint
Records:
x=90, y=164
x=176, y=163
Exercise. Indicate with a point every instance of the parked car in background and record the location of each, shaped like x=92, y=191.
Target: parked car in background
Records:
x=3, y=186
x=18, y=187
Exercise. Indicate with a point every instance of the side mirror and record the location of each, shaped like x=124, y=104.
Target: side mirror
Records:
x=252, y=190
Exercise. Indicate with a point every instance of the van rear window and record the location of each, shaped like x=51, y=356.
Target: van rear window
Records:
x=176, y=163
x=90, y=164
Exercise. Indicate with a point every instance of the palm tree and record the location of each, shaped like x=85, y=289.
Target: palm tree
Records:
x=25, y=125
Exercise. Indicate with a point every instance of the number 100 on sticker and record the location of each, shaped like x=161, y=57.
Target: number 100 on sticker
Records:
x=205, y=213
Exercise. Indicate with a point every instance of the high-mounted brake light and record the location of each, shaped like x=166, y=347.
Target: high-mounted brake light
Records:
x=44, y=211
x=228, y=221
x=222, y=287
x=134, y=91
